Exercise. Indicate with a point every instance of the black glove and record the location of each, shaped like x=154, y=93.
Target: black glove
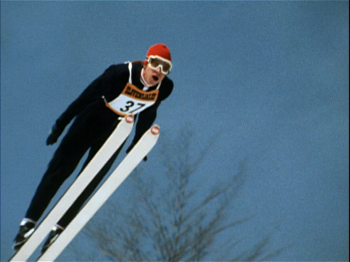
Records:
x=131, y=147
x=54, y=135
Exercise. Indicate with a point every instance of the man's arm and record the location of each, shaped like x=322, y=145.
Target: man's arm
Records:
x=91, y=94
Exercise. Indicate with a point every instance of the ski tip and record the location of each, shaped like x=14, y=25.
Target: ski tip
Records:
x=155, y=130
x=129, y=119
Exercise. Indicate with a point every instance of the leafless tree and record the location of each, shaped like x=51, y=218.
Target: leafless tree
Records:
x=183, y=221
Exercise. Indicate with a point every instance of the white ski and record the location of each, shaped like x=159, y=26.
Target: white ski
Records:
x=134, y=157
x=115, y=140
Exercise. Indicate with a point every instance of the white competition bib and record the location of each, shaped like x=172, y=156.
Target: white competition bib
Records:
x=133, y=100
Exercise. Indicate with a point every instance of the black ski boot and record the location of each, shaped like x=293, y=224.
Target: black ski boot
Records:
x=25, y=230
x=54, y=234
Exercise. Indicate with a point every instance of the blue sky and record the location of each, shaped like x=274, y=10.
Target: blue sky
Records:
x=272, y=77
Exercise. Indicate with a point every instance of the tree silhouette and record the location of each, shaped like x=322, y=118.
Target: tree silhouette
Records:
x=178, y=222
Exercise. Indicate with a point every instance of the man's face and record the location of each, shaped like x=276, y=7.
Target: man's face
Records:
x=153, y=76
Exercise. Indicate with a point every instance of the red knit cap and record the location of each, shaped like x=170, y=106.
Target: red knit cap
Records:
x=159, y=50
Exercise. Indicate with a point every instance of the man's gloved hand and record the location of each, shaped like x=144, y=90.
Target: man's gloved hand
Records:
x=55, y=133
x=131, y=147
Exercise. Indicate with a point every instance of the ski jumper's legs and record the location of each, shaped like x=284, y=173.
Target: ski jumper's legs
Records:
x=81, y=135
x=79, y=202
x=62, y=165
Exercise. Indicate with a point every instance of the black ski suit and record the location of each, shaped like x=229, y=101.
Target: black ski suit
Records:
x=93, y=124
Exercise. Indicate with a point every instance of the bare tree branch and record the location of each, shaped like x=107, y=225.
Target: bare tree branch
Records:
x=180, y=222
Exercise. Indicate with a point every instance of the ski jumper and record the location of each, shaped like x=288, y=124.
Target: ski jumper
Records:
x=97, y=111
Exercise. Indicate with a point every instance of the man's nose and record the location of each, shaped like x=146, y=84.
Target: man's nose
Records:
x=159, y=70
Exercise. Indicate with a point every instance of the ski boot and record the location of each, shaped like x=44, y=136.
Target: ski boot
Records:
x=54, y=234
x=26, y=228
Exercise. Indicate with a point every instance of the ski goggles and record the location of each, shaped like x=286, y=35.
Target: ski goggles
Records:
x=155, y=62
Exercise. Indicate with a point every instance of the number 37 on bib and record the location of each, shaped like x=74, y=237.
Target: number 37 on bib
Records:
x=133, y=100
